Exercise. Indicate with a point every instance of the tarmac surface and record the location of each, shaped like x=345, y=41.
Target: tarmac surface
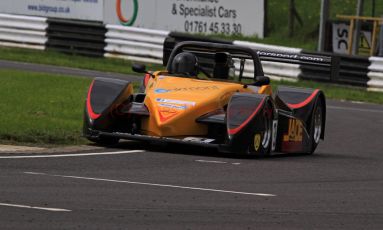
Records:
x=137, y=186
x=41, y=68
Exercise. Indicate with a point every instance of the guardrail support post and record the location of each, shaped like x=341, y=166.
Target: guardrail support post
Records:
x=381, y=41
x=335, y=68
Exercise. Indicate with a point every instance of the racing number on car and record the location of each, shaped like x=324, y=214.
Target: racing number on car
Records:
x=295, y=131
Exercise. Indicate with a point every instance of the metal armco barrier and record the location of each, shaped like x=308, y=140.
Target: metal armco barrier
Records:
x=375, y=74
x=345, y=69
x=353, y=70
x=135, y=44
x=76, y=37
x=23, y=31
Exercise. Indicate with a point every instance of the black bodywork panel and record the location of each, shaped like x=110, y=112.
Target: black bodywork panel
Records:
x=300, y=102
x=103, y=104
x=104, y=92
x=244, y=115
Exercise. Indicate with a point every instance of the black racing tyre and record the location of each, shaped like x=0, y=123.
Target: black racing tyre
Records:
x=316, y=126
x=104, y=140
x=261, y=138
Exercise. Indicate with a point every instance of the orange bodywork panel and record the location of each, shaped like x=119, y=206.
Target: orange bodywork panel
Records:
x=174, y=104
x=265, y=89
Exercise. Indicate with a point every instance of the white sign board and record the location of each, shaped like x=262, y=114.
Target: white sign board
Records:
x=241, y=17
x=91, y=10
x=340, y=36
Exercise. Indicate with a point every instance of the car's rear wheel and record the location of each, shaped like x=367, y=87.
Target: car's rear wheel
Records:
x=316, y=125
x=260, y=144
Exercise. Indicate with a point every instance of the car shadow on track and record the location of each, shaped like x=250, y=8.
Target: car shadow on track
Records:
x=195, y=150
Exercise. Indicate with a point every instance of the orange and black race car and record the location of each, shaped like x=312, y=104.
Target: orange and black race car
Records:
x=203, y=98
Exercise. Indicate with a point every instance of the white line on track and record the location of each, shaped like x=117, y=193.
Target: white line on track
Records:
x=216, y=162
x=71, y=155
x=33, y=207
x=151, y=184
x=355, y=109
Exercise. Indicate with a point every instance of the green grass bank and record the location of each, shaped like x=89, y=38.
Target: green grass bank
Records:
x=41, y=108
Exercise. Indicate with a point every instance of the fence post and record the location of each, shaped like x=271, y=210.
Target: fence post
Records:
x=380, y=43
x=335, y=68
x=325, y=8
x=359, y=12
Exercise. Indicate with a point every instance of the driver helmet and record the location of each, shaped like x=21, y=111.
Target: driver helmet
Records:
x=185, y=63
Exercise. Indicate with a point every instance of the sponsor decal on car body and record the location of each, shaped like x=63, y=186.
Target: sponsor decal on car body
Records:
x=257, y=141
x=172, y=101
x=160, y=90
x=185, y=89
x=295, y=131
x=170, y=106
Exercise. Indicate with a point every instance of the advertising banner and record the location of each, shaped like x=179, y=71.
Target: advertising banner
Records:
x=242, y=17
x=91, y=10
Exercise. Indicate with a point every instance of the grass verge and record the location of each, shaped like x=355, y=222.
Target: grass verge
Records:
x=41, y=108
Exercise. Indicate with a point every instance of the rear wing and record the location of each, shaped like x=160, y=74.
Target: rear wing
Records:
x=313, y=64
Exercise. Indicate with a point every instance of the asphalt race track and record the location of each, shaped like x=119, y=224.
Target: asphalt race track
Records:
x=68, y=71
x=135, y=186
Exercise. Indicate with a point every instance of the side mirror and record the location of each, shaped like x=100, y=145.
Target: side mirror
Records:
x=139, y=68
x=262, y=80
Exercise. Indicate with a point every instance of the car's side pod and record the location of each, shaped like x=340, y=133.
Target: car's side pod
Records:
x=104, y=97
x=301, y=103
x=245, y=115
